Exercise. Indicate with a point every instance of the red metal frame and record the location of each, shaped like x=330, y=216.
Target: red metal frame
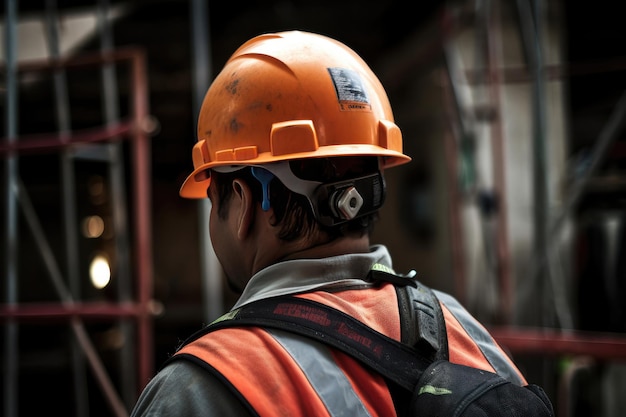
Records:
x=554, y=342
x=133, y=130
x=45, y=143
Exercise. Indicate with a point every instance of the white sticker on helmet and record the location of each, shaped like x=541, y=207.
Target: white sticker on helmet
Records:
x=350, y=90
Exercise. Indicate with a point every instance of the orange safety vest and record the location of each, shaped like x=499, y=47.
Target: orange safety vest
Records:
x=282, y=374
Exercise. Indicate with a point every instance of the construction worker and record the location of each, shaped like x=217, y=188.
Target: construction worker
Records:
x=294, y=135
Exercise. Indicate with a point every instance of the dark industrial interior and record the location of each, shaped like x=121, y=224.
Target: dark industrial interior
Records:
x=156, y=297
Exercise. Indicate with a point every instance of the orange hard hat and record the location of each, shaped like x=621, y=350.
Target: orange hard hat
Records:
x=292, y=95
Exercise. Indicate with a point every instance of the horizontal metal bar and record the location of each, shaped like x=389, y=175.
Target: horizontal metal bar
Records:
x=554, y=342
x=45, y=142
x=85, y=60
x=516, y=75
x=55, y=311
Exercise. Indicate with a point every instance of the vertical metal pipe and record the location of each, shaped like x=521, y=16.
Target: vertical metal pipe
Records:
x=142, y=218
x=530, y=23
x=452, y=141
x=499, y=157
x=11, y=334
x=120, y=223
x=540, y=171
x=68, y=186
x=210, y=268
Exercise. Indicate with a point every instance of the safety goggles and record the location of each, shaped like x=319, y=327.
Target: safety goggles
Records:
x=332, y=203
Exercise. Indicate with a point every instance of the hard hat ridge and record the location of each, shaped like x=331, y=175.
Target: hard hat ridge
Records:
x=292, y=95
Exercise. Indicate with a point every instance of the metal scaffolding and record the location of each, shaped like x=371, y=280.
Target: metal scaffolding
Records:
x=545, y=279
x=123, y=136
x=548, y=232
x=131, y=308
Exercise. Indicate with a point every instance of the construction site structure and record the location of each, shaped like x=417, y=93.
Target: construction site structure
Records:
x=78, y=203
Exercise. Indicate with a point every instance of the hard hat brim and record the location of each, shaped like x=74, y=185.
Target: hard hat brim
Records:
x=196, y=184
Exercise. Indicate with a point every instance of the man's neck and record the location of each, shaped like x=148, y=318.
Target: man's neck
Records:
x=336, y=247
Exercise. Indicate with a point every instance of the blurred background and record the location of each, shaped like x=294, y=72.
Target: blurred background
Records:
x=512, y=111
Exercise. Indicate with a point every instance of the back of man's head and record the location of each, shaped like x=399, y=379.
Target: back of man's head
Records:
x=310, y=125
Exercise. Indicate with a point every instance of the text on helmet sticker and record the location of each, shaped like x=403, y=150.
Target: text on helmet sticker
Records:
x=351, y=93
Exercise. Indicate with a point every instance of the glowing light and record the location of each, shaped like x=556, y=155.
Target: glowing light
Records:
x=97, y=190
x=100, y=272
x=93, y=227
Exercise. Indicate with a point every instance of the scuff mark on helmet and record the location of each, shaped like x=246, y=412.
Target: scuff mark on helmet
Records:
x=232, y=87
x=235, y=125
x=255, y=105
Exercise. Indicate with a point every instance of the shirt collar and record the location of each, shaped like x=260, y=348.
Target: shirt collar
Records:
x=305, y=275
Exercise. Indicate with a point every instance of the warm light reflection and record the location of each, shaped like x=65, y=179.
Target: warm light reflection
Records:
x=100, y=272
x=97, y=189
x=93, y=227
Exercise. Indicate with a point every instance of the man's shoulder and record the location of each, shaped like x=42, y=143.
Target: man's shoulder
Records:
x=184, y=388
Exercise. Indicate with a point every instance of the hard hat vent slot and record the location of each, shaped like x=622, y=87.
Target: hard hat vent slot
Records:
x=243, y=153
x=292, y=137
x=389, y=136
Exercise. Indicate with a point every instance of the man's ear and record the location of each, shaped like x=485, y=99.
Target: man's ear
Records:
x=245, y=208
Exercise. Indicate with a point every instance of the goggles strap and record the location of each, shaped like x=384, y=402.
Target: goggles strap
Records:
x=332, y=203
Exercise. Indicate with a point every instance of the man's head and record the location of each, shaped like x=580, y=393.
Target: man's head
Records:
x=301, y=122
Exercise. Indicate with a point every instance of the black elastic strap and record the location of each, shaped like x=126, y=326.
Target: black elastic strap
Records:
x=392, y=359
x=421, y=321
x=422, y=324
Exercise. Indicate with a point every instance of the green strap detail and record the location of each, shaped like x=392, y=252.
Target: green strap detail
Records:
x=382, y=268
x=228, y=316
x=429, y=389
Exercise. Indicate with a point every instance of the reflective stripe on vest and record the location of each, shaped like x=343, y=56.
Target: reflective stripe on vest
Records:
x=488, y=354
x=325, y=376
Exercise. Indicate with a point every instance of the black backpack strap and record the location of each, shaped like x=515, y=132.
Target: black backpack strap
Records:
x=394, y=360
x=422, y=325
x=421, y=321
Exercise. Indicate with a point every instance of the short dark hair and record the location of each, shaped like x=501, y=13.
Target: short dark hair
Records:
x=292, y=211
